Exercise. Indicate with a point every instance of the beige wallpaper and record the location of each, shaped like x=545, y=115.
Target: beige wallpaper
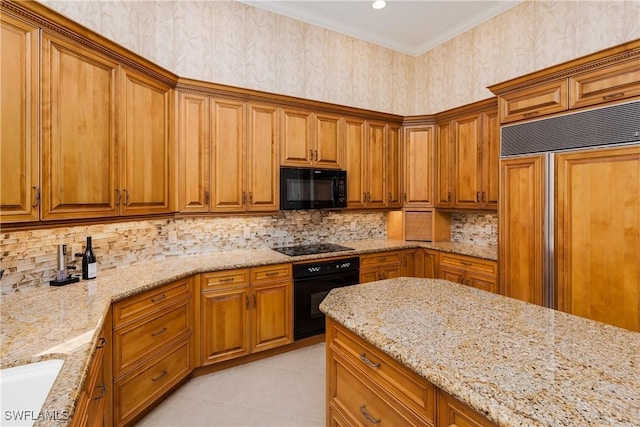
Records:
x=531, y=36
x=233, y=43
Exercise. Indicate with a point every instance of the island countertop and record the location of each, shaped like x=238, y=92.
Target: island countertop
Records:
x=517, y=363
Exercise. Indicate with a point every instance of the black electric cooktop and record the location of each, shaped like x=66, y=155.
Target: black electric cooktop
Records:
x=315, y=248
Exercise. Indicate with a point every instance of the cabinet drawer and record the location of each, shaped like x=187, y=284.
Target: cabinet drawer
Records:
x=466, y=263
x=269, y=273
x=229, y=278
x=453, y=412
x=135, y=392
x=534, y=102
x=135, y=342
x=606, y=84
x=364, y=402
x=132, y=309
x=375, y=260
x=413, y=391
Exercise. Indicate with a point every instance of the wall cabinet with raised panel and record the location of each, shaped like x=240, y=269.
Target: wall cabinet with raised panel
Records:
x=419, y=152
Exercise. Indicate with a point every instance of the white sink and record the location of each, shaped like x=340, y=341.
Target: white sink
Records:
x=23, y=390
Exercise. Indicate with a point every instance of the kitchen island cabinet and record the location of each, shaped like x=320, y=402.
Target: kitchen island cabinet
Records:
x=468, y=344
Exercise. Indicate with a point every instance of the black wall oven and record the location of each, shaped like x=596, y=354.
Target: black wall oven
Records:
x=311, y=283
x=304, y=188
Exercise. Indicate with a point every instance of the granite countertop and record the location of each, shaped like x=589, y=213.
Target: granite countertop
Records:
x=518, y=363
x=64, y=322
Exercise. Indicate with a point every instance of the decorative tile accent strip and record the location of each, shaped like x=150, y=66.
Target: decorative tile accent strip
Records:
x=29, y=257
x=478, y=228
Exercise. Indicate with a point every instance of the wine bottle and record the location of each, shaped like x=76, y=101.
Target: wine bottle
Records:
x=89, y=264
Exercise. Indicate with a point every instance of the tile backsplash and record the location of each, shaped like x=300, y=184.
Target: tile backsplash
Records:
x=478, y=228
x=29, y=257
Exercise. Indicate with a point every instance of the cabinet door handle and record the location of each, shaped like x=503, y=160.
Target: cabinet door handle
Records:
x=36, y=199
x=159, y=377
x=477, y=196
x=159, y=332
x=367, y=415
x=118, y=197
x=160, y=298
x=103, y=391
x=316, y=155
x=484, y=195
x=250, y=197
x=206, y=197
x=102, y=343
x=227, y=280
x=404, y=196
x=255, y=301
x=126, y=197
x=311, y=155
x=246, y=302
x=272, y=273
x=368, y=361
x=613, y=95
x=449, y=196
x=465, y=263
x=531, y=114
x=244, y=197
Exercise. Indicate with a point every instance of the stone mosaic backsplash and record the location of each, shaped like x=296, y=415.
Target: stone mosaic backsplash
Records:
x=29, y=257
x=477, y=228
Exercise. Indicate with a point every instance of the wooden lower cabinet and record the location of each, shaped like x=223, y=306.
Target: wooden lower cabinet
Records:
x=475, y=272
x=245, y=311
x=430, y=263
x=365, y=387
x=153, y=343
x=380, y=266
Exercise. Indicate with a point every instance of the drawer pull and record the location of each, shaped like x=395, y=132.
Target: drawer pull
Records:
x=159, y=332
x=531, y=114
x=159, y=377
x=368, y=361
x=367, y=415
x=613, y=95
x=227, y=280
x=103, y=391
x=272, y=273
x=382, y=258
x=465, y=263
x=102, y=342
x=160, y=298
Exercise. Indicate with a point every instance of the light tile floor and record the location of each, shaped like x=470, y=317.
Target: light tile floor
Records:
x=287, y=390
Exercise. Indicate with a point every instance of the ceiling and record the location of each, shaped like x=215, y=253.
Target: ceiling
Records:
x=411, y=27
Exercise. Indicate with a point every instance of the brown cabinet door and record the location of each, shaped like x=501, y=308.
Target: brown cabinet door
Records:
x=429, y=264
x=19, y=187
x=452, y=412
x=534, y=102
x=296, y=146
x=227, y=167
x=263, y=172
x=225, y=324
x=354, y=162
x=618, y=81
x=193, y=152
x=467, y=137
x=394, y=167
x=490, y=159
x=452, y=274
x=79, y=134
x=597, y=245
x=418, y=166
x=375, y=172
x=480, y=281
x=147, y=145
x=444, y=166
x=328, y=148
x=410, y=263
x=370, y=275
x=272, y=316
x=521, y=228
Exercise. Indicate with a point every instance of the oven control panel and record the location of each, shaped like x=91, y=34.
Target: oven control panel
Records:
x=322, y=268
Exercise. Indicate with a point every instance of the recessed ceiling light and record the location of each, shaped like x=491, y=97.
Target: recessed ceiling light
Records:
x=379, y=4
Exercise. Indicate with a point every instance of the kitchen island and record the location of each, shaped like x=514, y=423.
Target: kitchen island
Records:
x=515, y=363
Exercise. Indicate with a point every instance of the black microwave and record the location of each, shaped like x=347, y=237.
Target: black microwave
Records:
x=304, y=188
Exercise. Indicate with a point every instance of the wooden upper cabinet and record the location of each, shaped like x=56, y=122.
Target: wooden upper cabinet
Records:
x=445, y=157
x=419, y=144
x=147, y=145
x=354, y=161
x=328, y=141
x=79, y=133
x=394, y=166
x=193, y=152
x=533, y=102
x=614, y=82
x=19, y=186
x=297, y=147
x=310, y=139
x=375, y=172
x=228, y=151
x=597, y=245
x=467, y=136
x=490, y=159
x=521, y=228
x=263, y=172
